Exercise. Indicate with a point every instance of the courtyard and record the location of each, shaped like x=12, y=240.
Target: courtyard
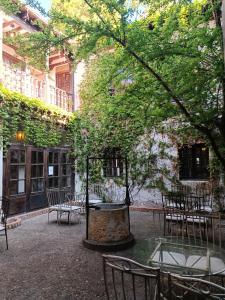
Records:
x=49, y=261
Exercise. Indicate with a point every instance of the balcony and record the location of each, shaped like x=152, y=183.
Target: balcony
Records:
x=20, y=81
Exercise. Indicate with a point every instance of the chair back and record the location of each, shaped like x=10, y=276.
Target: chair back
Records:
x=185, y=288
x=126, y=279
x=56, y=196
x=4, y=212
x=174, y=200
x=200, y=228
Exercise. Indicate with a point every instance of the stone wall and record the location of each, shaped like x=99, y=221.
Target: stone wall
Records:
x=108, y=225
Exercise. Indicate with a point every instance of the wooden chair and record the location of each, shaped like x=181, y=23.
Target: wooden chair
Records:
x=3, y=218
x=185, y=288
x=126, y=279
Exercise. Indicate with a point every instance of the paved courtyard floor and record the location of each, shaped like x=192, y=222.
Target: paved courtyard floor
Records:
x=48, y=261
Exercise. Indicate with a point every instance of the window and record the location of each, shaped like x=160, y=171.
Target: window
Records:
x=37, y=171
x=17, y=172
x=194, y=162
x=53, y=169
x=66, y=169
x=113, y=165
x=59, y=169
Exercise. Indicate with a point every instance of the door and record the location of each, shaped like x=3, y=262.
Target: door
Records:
x=36, y=182
x=15, y=179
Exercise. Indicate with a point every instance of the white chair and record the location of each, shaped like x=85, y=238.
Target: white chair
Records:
x=4, y=211
x=58, y=202
x=193, y=288
x=125, y=279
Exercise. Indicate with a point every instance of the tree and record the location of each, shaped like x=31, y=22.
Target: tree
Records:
x=177, y=43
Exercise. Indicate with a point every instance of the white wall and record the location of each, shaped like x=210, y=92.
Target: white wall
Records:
x=78, y=78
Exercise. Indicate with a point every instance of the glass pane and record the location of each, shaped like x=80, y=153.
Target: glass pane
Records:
x=69, y=181
x=66, y=181
x=56, y=182
x=40, y=157
x=14, y=156
x=40, y=184
x=40, y=171
x=63, y=158
x=56, y=157
x=21, y=186
x=22, y=156
x=37, y=185
x=55, y=170
x=13, y=187
x=13, y=172
x=33, y=171
x=34, y=185
x=50, y=157
x=68, y=170
x=33, y=157
x=21, y=174
x=50, y=182
x=64, y=170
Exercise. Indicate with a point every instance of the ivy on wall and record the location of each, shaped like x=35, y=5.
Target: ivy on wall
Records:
x=45, y=125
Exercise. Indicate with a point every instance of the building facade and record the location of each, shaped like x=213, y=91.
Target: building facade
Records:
x=27, y=171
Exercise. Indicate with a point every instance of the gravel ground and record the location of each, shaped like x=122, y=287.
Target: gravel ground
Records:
x=48, y=261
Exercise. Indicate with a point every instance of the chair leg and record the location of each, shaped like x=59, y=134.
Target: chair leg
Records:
x=6, y=238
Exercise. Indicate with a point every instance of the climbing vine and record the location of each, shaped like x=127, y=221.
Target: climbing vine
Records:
x=44, y=125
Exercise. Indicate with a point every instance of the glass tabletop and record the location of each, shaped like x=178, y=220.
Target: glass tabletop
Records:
x=179, y=255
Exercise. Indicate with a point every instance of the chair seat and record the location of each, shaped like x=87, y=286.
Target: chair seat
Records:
x=205, y=208
x=68, y=208
x=174, y=217
x=196, y=219
x=2, y=227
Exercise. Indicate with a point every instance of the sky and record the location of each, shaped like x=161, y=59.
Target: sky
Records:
x=45, y=4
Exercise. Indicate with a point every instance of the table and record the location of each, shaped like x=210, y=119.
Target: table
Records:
x=179, y=255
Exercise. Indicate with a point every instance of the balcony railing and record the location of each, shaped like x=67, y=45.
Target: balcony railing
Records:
x=19, y=81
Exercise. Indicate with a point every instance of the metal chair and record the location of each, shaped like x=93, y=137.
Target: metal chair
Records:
x=127, y=279
x=58, y=201
x=185, y=288
x=77, y=199
x=3, y=218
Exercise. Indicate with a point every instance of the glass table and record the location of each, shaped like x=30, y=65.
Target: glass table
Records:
x=179, y=255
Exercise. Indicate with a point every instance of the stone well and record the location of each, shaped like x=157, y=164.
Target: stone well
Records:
x=109, y=227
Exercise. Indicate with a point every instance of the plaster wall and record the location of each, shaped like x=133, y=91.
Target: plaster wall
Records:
x=153, y=196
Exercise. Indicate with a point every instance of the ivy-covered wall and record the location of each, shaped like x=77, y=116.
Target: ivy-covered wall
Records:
x=45, y=125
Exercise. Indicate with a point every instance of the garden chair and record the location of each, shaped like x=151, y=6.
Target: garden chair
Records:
x=193, y=288
x=3, y=218
x=127, y=279
x=58, y=202
x=77, y=199
x=198, y=227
